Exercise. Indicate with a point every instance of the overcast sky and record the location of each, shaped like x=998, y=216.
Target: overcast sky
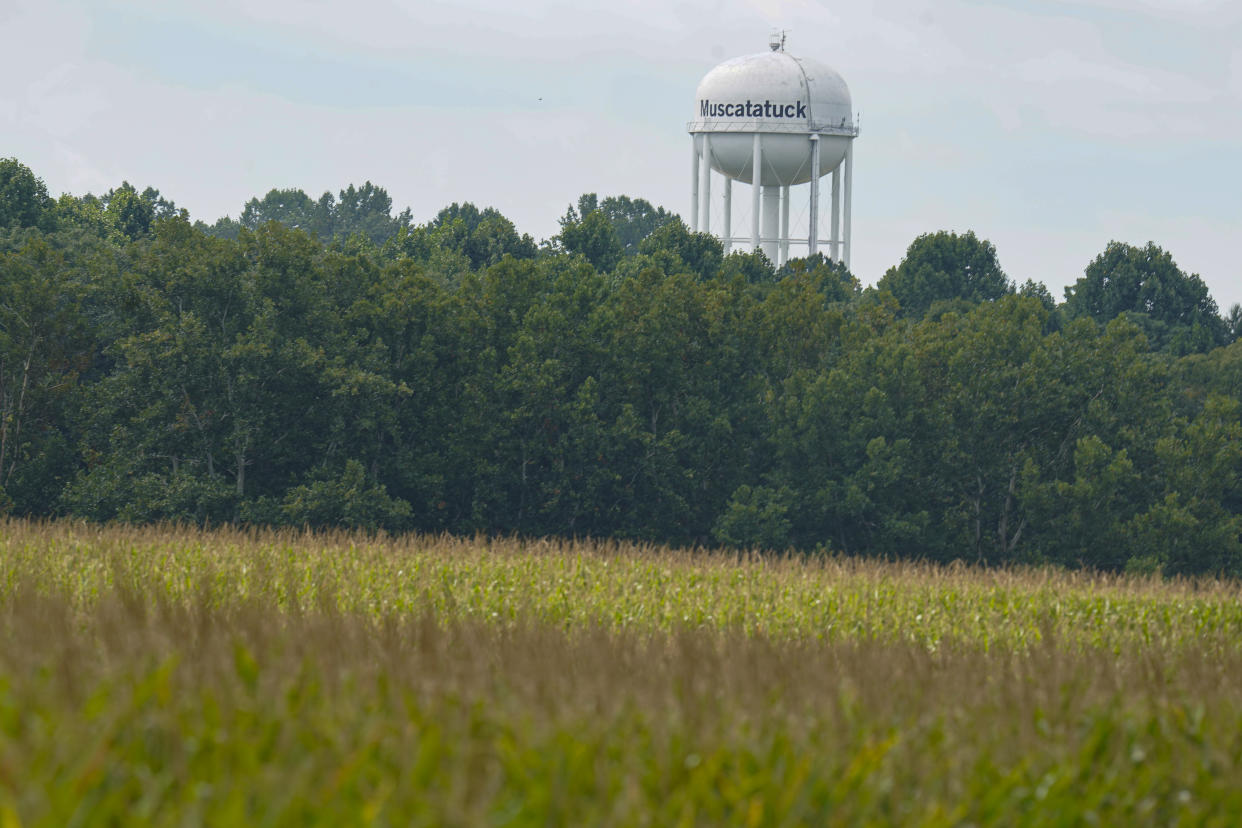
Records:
x=1049, y=128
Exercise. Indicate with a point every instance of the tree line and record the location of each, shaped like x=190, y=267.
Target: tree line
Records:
x=330, y=363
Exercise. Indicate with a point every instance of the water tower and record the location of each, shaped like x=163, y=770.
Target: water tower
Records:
x=791, y=119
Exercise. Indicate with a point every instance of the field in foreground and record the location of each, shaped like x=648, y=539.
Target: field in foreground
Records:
x=160, y=676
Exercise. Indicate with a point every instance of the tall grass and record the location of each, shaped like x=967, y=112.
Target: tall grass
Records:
x=169, y=676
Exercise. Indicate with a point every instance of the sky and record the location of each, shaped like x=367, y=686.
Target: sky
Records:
x=1046, y=127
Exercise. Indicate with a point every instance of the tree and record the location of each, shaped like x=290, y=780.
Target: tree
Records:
x=550, y=404
x=224, y=228
x=1038, y=290
x=349, y=500
x=633, y=219
x=682, y=391
x=133, y=213
x=832, y=278
x=628, y=380
x=128, y=212
x=364, y=211
x=943, y=267
x=756, y=518
x=86, y=216
x=43, y=348
x=24, y=201
x=700, y=253
x=292, y=208
x=219, y=379
x=367, y=210
x=1194, y=526
x=1173, y=308
x=750, y=265
x=482, y=237
x=1233, y=320
x=948, y=438
x=594, y=237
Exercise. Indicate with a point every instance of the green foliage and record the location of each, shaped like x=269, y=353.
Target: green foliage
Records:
x=292, y=208
x=24, y=201
x=632, y=219
x=1233, y=321
x=755, y=519
x=626, y=381
x=1173, y=308
x=943, y=267
x=594, y=237
x=1196, y=528
x=830, y=277
x=44, y=346
x=481, y=238
x=1038, y=290
x=698, y=253
x=364, y=211
x=134, y=214
x=1092, y=506
x=345, y=501
x=88, y=216
x=753, y=267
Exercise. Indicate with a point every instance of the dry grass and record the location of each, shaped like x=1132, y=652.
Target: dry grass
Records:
x=165, y=676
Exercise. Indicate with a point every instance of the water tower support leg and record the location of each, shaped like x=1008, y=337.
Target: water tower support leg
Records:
x=728, y=215
x=784, y=254
x=836, y=213
x=772, y=222
x=812, y=237
x=849, y=199
x=705, y=212
x=756, y=167
x=694, y=183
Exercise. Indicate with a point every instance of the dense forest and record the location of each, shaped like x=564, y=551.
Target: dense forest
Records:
x=328, y=363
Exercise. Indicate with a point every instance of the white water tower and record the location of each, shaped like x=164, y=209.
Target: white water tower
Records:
x=791, y=119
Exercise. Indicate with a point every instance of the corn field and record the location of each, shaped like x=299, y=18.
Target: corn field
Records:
x=172, y=676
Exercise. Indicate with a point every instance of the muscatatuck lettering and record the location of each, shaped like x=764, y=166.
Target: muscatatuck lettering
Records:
x=751, y=109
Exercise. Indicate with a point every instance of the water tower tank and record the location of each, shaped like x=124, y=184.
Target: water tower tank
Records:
x=792, y=114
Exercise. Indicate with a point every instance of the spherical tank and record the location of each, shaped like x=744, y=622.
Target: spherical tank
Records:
x=786, y=99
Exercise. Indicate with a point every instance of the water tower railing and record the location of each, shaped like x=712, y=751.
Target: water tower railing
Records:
x=768, y=127
x=747, y=242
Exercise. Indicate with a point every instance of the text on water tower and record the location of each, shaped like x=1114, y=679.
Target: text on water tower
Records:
x=751, y=109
